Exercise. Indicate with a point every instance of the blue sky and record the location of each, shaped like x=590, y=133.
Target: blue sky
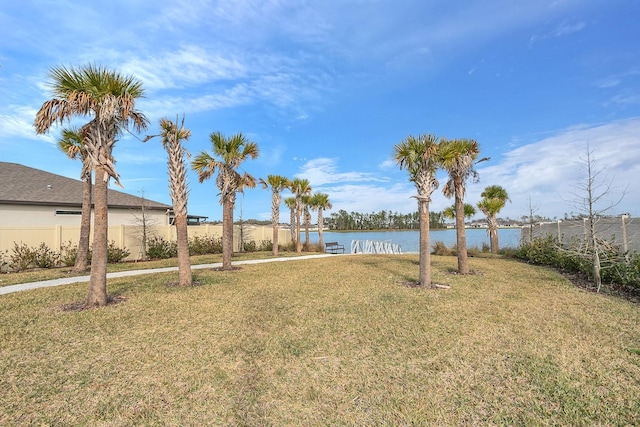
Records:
x=327, y=88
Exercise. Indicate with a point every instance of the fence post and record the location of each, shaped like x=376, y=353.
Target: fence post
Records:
x=57, y=239
x=559, y=233
x=625, y=242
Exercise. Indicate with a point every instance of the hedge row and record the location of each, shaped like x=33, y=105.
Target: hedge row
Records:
x=616, y=266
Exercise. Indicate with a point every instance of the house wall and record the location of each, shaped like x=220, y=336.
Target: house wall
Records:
x=45, y=216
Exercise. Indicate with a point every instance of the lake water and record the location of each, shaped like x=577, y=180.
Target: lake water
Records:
x=409, y=239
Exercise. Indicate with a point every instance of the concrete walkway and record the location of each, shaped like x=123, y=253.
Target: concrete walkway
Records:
x=81, y=279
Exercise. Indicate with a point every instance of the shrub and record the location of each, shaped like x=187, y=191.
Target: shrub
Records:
x=22, y=257
x=261, y=246
x=202, y=245
x=439, y=248
x=115, y=254
x=577, y=257
x=158, y=248
x=45, y=257
x=4, y=259
x=68, y=254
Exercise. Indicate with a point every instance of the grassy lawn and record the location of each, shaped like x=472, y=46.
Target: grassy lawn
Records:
x=331, y=341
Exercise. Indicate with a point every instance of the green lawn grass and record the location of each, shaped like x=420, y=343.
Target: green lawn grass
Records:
x=331, y=341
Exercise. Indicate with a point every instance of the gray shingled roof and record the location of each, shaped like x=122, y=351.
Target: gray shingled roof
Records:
x=28, y=186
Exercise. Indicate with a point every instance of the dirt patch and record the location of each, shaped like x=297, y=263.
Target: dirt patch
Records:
x=418, y=285
x=81, y=305
x=626, y=292
x=226, y=269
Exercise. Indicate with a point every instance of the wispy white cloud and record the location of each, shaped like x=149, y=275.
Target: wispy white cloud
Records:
x=188, y=66
x=19, y=123
x=322, y=171
x=371, y=198
x=550, y=170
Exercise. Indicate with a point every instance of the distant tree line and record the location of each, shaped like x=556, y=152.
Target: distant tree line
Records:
x=383, y=220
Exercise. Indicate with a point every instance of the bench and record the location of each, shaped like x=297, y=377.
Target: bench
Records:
x=333, y=247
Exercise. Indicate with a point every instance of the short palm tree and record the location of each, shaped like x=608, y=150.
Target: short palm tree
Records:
x=71, y=144
x=418, y=156
x=450, y=211
x=228, y=155
x=108, y=97
x=277, y=183
x=291, y=204
x=457, y=157
x=299, y=187
x=494, y=197
x=172, y=137
x=319, y=202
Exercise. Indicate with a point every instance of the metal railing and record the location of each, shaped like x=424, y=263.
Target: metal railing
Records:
x=375, y=247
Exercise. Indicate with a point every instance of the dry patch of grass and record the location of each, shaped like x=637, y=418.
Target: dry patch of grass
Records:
x=334, y=341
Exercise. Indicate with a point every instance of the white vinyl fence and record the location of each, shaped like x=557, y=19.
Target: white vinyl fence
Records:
x=624, y=231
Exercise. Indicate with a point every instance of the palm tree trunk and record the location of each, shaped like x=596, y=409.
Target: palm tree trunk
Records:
x=82, y=253
x=227, y=234
x=320, y=229
x=493, y=234
x=97, y=295
x=292, y=227
x=298, y=229
x=307, y=221
x=461, y=238
x=184, y=263
x=274, y=240
x=425, y=250
x=275, y=218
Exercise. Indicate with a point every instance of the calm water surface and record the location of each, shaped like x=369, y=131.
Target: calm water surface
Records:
x=409, y=239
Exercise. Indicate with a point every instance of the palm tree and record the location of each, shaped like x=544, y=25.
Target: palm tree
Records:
x=70, y=143
x=450, y=211
x=457, y=157
x=320, y=202
x=299, y=187
x=494, y=197
x=277, y=184
x=228, y=154
x=172, y=138
x=291, y=204
x=109, y=97
x=418, y=156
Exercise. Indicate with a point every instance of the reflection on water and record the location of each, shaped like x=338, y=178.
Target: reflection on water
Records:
x=409, y=239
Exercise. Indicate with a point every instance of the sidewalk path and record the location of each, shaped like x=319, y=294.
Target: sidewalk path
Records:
x=81, y=279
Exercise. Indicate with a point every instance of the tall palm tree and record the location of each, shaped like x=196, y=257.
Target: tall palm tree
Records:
x=494, y=197
x=418, y=156
x=228, y=155
x=172, y=137
x=291, y=204
x=109, y=97
x=320, y=202
x=277, y=184
x=71, y=144
x=299, y=187
x=457, y=157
